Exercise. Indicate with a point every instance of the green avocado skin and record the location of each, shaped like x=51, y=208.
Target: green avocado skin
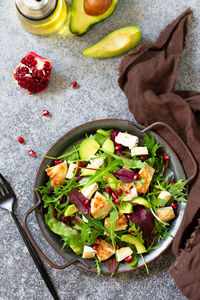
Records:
x=80, y=22
x=115, y=43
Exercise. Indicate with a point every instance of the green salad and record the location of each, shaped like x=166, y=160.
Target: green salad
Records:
x=109, y=198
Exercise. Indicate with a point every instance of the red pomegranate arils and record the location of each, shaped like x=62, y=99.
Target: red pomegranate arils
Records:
x=108, y=190
x=74, y=84
x=130, y=231
x=32, y=73
x=117, y=247
x=31, y=153
x=45, y=113
x=119, y=191
x=128, y=259
x=20, y=140
x=95, y=246
x=174, y=205
x=116, y=201
x=57, y=162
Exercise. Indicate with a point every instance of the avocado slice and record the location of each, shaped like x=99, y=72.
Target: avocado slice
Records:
x=88, y=148
x=141, y=201
x=78, y=250
x=80, y=21
x=86, y=172
x=71, y=209
x=126, y=207
x=116, y=43
x=108, y=145
x=128, y=238
x=111, y=180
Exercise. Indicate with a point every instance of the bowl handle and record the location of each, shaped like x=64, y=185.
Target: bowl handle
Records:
x=162, y=124
x=36, y=247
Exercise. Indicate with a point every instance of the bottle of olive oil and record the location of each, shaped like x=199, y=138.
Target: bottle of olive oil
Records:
x=42, y=16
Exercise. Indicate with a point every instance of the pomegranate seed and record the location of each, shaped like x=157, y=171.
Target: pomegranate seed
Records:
x=95, y=246
x=136, y=176
x=155, y=233
x=116, y=201
x=45, y=113
x=98, y=240
x=174, y=205
x=143, y=157
x=128, y=259
x=165, y=157
x=55, y=214
x=80, y=164
x=57, y=162
x=64, y=219
x=32, y=153
x=150, y=241
x=78, y=170
x=74, y=84
x=172, y=181
x=108, y=190
x=119, y=191
x=117, y=246
x=87, y=202
x=130, y=231
x=119, y=147
x=128, y=191
x=20, y=140
x=114, y=195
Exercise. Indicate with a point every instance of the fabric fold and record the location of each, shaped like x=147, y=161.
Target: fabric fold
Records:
x=147, y=75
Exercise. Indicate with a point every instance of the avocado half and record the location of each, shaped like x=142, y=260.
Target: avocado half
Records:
x=80, y=22
x=115, y=43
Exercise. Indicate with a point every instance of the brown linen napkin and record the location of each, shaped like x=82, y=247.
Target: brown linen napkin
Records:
x=147, y=77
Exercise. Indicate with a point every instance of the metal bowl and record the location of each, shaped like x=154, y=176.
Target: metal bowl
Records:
x=64, y=144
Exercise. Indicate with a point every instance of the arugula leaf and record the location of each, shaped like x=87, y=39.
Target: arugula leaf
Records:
x=136, y=232
x=112, y=225
x=157, y=202
x=151, y=144
x=99, y=174
x=96, y=223
x=106, y=133
x=177, y=189
x=98, y=265
x=129, y=163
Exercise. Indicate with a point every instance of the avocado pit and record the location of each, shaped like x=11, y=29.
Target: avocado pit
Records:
x=96, y=7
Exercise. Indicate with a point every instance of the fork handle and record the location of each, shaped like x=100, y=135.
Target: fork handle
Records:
x=35, y=258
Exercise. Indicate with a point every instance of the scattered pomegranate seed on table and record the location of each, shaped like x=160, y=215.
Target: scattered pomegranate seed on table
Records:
x=32, y=73
x=74, y=84
x=116, y=201
x=119, y=191
x=128, y=259
x=108, y=190
x=45, y=113
x=31, y=153
x=20, y=140
x=57, y=162
x=174, y=205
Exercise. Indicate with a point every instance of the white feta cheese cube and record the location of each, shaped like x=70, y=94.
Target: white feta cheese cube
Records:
x=90, y=190
x=70, y=172
x=127, y=140
x=133, y=193
x=88, y=252
x=122, y=253
x=165, y=195
x=139, y=151
x=96, y=162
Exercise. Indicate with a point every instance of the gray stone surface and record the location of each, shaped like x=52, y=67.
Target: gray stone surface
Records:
x=98, y=97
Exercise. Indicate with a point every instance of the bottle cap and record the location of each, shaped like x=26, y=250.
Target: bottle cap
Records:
x=36, y=9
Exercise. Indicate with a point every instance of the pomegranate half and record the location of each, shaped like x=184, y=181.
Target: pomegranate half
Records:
x=33, y=73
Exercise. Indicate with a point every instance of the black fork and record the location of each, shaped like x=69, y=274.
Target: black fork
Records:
x=7, y=202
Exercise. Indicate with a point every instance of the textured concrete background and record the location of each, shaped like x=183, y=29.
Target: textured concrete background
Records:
x=97, y=98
